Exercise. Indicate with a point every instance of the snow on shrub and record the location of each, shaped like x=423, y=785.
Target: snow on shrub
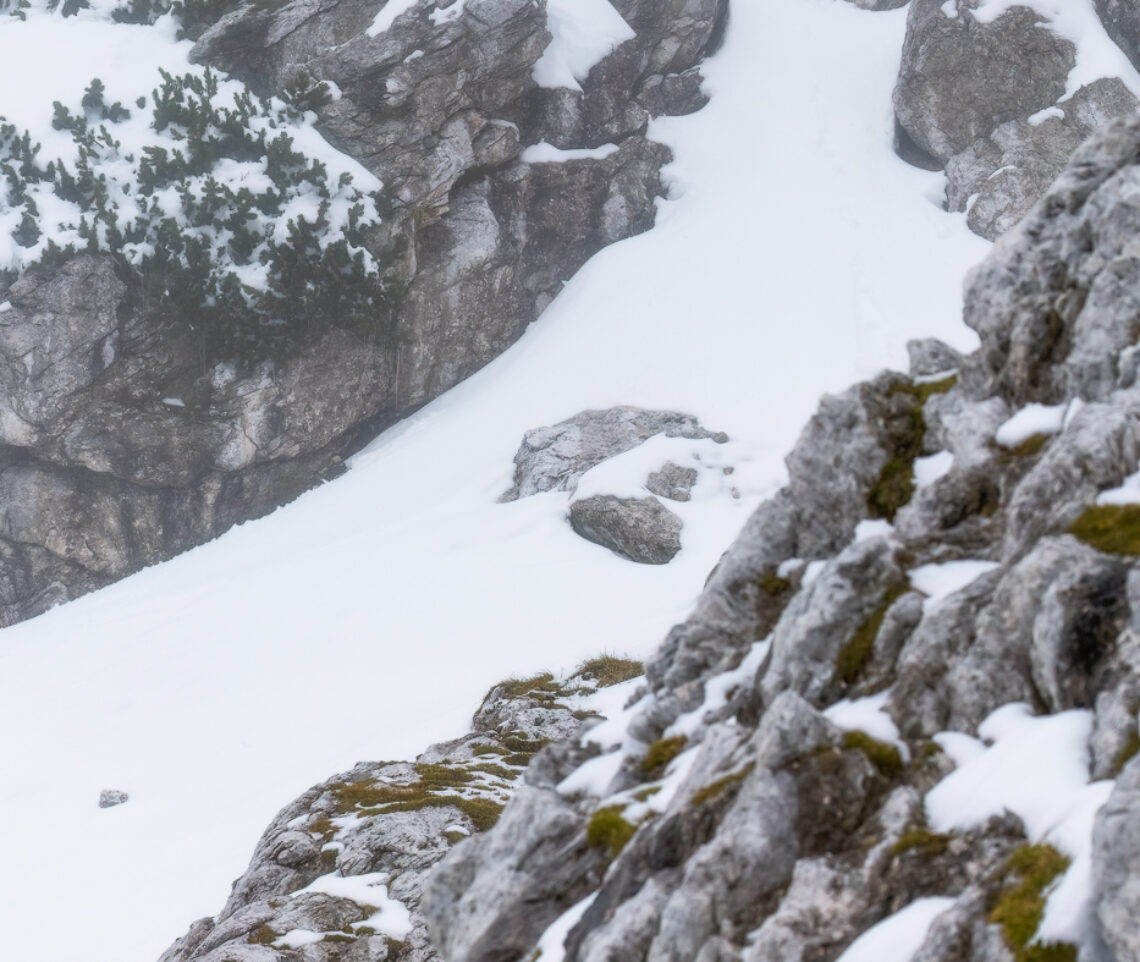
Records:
x=201, y=191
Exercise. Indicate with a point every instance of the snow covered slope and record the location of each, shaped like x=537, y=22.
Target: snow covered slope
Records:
x=366, y=619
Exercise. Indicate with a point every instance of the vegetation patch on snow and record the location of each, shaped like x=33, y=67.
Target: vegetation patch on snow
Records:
x=201, y=193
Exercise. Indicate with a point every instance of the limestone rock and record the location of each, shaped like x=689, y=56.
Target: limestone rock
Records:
x=640, y=529
x=1116, y=865
x=110, y=797
x=962, y=76
x=672, y=481
x=553, y=458
x=999, y=178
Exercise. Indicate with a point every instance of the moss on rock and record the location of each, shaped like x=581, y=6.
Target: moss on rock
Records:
x=1111, y=528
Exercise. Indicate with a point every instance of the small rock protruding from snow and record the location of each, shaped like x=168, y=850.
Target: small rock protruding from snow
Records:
x=672, y=481
x=110, y=797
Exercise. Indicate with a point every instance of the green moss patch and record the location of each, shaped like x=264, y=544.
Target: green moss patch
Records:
x=884, y=757
x=661, y=753
x=895, y=484
x=542, y=687
x=1028, y=448
x=1111, y=528
x=373, y=797
x=856, y=654
x=608, y=829
x=721, y=785
x=1021, y=906
x=922, y=841
x=1127, y=753
x=608, y=670
x=262, y=935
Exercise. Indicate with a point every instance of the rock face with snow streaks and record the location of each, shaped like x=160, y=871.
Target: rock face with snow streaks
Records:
x=983, y=91
x=779, y=786
x=123, y=440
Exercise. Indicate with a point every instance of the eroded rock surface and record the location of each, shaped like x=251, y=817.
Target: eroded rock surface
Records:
x=962, y=76
x=125, y=438
x=339, y=873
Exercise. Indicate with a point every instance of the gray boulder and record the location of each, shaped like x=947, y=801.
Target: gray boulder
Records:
x=960, y=77
x=672, y=481
x=639, y=529
x=553, y=458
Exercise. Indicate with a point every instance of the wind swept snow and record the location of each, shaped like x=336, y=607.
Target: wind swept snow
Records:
x=367, y=619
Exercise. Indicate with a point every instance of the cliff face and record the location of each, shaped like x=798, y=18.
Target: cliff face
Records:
x=129, y=433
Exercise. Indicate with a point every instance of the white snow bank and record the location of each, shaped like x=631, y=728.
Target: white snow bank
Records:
x=391, y=918
x=939, y=581
x=1127, y=493
x=388, y=14
x=1037, y=768
x=1031, y=420
x=868, y=715
x=584, y=33
x=929, y=469
x=544, y=153
x=898, y=937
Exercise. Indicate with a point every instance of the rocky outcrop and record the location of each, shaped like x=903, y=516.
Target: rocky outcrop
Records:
x=127, y=434
x=339, y=874
x=998, y=178
x=639, y=529
x=962, y=76
x=555, y=457
x=985, y=97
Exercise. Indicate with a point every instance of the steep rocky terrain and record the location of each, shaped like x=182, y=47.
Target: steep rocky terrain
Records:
x=135, y=425
x=904, y=707
x=141, y=425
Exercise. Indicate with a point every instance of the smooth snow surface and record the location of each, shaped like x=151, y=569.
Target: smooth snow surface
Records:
x=898, y=937
x=939, y=581
x=367, y=619
x=1031, y=420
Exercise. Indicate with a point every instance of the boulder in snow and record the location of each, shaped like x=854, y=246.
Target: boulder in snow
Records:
x=640, y=529
x=961, y=75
